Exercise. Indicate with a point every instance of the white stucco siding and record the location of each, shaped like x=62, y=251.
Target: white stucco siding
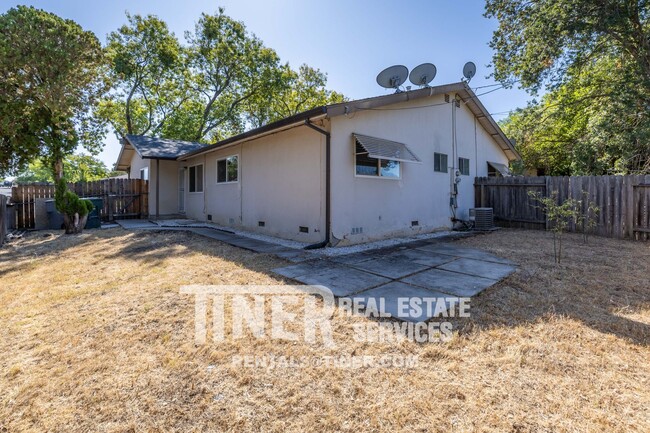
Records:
x=281, y=182
x=168, y=187
x=137, y=164
x=385, y=207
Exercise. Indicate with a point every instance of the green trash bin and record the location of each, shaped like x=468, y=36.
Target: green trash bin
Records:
x=94, y=217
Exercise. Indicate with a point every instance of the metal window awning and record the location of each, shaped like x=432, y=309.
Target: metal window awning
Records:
x=501, y=168
x=386, y=149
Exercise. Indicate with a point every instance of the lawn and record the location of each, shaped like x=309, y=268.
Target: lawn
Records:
x=97, y=337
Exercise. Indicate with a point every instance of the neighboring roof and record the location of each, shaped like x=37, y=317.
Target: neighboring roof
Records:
x=462, y=89
x=161, y=148
x=152, y=148
x=385, y=149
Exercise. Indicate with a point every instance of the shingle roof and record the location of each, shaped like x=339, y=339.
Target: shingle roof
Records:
x=161, y=148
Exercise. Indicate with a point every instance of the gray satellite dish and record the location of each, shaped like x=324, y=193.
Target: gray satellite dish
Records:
x=469, y=70
x=393, y=77
x=423, y=74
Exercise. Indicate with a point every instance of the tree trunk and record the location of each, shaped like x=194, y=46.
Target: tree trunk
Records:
x=74, y=225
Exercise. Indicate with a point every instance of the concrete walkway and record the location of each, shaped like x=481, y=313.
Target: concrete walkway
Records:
x=258, y=246
x=423, y=269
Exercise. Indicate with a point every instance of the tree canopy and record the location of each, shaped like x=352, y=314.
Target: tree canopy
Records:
x=222, y=81
x=593, y=58
x=79, y=167
x=51, y=78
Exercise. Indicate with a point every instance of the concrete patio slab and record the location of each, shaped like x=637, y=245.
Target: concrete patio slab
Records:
x=453, y=283
x=425, y=258
x=461, y=251
x=342, y=280
x=479, y=268
x=305, y=268
x=390, y=267
x=395, y=295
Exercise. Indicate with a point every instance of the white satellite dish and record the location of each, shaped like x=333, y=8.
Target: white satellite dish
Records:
x=393, y=77
x=469, y=70
x=423, y=74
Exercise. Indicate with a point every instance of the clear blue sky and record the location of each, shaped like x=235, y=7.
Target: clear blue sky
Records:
x=349, y=40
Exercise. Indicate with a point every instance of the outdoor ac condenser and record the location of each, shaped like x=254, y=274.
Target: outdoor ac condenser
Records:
x=483, y=218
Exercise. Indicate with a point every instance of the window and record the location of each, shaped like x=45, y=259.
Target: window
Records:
x=228, y=169
x=367, y=166
x=144, y=173
x=196, y=178
x=463, y=166
x=440, y=162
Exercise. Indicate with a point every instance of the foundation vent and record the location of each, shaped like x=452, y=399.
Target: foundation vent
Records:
x=357, y=230
x=209, y=217
x=304, y=229
x=415, y=223
x=261, y=224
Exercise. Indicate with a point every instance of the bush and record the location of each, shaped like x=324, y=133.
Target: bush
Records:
x=69, y=203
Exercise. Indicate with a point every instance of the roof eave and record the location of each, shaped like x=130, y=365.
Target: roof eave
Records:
x=286, y=123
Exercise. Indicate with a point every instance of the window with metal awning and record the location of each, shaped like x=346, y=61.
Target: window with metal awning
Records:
x=380, y=157
x=380, y=148
x=496, y=169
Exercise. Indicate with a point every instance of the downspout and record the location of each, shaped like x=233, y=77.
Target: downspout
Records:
x=328, y=222
x=157, y=189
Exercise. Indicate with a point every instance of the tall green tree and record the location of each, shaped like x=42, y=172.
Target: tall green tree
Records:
x=147, y=71
x=231, y=66
x=593, y=58
x=298, y=91
x=50, y=81
x=79, y=167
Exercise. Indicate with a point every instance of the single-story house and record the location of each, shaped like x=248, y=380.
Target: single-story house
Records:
x=340, y=174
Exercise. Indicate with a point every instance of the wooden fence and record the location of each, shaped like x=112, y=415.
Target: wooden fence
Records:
x=3, y=218
x=624, y=201
x=123, y=198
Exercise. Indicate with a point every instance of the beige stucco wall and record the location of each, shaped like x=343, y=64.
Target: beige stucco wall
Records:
x=281, y=182
x=386, y=207
x=168, y=183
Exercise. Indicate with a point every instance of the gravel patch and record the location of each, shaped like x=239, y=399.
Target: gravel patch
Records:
x=327, y=252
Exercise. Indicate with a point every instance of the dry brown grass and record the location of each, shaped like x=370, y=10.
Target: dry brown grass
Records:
x=96, y=337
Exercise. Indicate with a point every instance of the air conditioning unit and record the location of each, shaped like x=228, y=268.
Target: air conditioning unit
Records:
x=482, y=217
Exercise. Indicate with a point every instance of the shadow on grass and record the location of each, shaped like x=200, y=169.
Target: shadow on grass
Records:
x=597, y=284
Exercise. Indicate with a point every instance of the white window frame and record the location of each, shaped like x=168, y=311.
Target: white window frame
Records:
x=189, y=171
x=146, y=171
x=369, y=176
x=225, y=158
x=469, y=166
x=446, y=165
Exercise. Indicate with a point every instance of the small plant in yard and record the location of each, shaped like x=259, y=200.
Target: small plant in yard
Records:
x=75, y=210
x=558, y=216
x=586, y=216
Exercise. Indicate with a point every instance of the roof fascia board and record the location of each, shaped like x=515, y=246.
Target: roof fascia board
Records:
x=235, y=140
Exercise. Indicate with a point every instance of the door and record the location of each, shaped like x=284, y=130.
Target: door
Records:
x=181, y=190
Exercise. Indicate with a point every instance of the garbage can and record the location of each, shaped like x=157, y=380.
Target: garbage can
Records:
x=94, y=219
x=54, y=218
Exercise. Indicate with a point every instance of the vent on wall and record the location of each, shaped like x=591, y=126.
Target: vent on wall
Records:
x=209, y=217
x=304, y=229
x=261, y=223
x=231, y=221
x=357, y=230
x=415, y=223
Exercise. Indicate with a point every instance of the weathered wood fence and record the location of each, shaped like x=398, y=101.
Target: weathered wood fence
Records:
x=3, y=218
x=123, y=198
x=624, y=201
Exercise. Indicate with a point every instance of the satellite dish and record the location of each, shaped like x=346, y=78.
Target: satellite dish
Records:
x=423, y=74
x=393, y=77
x=469, y=70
